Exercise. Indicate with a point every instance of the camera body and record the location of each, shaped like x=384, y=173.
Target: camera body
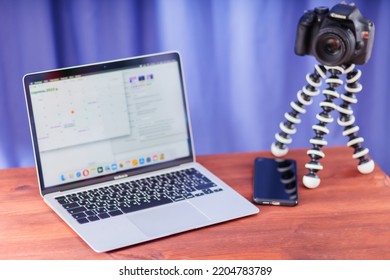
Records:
x=335, y=37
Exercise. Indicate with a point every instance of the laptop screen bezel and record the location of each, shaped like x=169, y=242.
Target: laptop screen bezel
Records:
x=100, y=67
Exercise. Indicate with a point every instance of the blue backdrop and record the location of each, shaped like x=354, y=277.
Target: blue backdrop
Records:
x=241, y=70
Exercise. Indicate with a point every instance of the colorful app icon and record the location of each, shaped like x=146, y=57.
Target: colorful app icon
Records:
x=63, y=179
x=141, y=160
x=114, y=166
x=78, y=174
x=134, y=162
x=107, y=168
x=85, y=172
x=155, y=157
x=148, y=159
x=100, y=169
x=162, y=156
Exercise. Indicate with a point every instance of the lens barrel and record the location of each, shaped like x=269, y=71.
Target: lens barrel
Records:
x=334, y=46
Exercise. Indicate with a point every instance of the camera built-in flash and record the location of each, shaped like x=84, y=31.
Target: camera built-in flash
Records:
x=334, y=15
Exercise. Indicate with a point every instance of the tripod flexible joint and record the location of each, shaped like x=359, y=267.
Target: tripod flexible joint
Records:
x=346, y=119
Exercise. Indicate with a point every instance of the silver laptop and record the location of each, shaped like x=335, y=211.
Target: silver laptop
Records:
x=114, y=152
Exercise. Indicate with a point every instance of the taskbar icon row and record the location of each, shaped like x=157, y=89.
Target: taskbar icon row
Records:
x=108, y=168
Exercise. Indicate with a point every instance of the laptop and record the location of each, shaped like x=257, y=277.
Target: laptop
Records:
x=114, y=152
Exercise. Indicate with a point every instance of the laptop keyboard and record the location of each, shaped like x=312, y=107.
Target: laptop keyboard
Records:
x=118, y=199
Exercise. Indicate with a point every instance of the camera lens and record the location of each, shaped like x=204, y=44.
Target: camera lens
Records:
x=334, y=46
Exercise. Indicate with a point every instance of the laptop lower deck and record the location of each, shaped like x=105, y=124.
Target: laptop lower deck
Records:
x=150, y=209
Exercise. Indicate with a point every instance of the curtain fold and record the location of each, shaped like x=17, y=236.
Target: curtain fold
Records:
x=240, y=68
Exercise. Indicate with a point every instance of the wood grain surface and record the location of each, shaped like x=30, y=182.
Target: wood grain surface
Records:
x=347, y=217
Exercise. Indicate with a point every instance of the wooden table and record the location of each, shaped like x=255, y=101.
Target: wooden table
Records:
x=347, y=217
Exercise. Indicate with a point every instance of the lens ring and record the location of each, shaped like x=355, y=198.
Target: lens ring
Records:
x=333, y=46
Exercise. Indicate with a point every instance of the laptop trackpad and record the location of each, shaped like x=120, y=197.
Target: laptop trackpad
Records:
x=170, y=219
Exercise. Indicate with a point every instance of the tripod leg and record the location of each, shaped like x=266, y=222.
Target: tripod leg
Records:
x=279, y=148
x=347, y=120
x=311, y=180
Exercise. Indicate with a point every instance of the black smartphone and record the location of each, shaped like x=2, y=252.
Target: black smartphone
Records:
x=275, y=182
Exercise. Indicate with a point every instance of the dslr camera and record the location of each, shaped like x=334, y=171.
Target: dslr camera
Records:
x=335, y=37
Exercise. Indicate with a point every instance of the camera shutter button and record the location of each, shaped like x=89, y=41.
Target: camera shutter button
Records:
x=307, y=19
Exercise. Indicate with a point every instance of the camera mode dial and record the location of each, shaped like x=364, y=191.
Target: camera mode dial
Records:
x=321, y=10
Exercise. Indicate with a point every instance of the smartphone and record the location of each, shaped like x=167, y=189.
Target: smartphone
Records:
x=275, y=182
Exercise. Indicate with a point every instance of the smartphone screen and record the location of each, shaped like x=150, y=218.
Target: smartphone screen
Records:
x=275, y=182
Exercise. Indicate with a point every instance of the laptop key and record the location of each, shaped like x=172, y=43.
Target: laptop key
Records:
x=79, y=215
x=207, y=191
x=103, y=216
x=188, y=195
x=205, y=186
x=111, y=207
x=115, y=213
x=101, y=210
x=83, y=220
x=74, y=199
x=153, y=202
x=177, y=197
x=71, y=205
x=90, y=206
x=62, y=200
x=90, y=212
x=93, y=218
x=76, y=210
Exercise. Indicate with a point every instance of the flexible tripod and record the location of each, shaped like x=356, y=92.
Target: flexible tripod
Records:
x=346, y=119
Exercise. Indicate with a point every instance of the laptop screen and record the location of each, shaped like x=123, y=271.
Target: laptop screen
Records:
x=108, y=120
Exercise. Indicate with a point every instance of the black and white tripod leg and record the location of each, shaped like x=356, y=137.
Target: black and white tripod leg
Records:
x=283, y=138
x=311, y=180
x=347, y=120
